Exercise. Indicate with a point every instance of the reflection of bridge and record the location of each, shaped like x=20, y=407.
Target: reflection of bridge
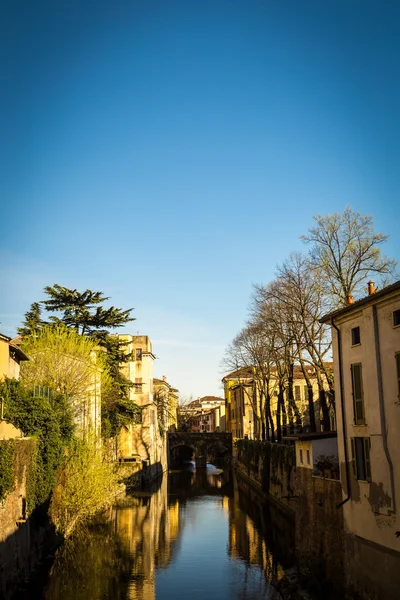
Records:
x=201, y=447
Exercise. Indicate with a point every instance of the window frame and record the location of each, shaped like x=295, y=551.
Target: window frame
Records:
x=397, y=360
x=396, y=313
x=353, y=331
x=359, y=401
x=361, y=458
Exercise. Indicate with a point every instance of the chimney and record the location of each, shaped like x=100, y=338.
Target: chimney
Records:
x=371, y=288
x=349, y=299
x=164, y=378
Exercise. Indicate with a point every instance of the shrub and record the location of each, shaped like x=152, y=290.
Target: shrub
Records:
x=86, y=483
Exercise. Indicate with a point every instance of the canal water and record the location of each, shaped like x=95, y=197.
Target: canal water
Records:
x=197, y=535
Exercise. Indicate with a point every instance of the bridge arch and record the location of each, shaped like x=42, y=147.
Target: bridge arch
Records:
x=205, y=447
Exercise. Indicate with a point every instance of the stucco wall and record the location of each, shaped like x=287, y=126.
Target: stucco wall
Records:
x=369, y=513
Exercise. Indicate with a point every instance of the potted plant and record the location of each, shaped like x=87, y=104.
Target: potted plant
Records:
x=327, y=466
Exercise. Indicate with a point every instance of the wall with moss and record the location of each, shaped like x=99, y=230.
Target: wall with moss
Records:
x=271, y=467
x=22, y=534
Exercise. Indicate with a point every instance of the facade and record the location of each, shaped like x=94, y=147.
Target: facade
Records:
x=139, y=439
x=166, y=400
x=206, y=414
x=366, y=351
x=242, y=401
x=11, y=357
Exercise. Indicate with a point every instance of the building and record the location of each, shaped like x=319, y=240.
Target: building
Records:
x=243, y=402
x=166, y=400
x=11, y=357
x=206, y=414
x=144, y=439
x=366, y=353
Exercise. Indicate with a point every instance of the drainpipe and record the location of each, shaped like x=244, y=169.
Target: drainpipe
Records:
x=381, y=404
x=346, y=457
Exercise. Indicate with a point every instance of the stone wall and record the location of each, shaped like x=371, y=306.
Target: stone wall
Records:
x=319, y=528
x=270, y=467
x=24, y=539
x=372, y=572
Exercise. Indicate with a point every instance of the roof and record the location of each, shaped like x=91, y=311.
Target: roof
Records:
x=242, y=373
x=211, y=399
x=14, y=346
x=248, y=373
x=362, y=302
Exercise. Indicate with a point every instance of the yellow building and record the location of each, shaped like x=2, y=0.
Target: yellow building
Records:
x=241, y=403
x=166, y=400
x=243, y=406
x=143, y=440
x=11, y=357
x=366, y=353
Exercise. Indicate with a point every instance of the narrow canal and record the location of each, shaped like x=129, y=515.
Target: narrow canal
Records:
x=196, y=536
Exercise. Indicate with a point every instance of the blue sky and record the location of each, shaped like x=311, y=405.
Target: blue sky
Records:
x=171, y=153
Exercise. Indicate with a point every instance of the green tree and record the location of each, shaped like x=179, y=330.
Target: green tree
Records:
x=63, y=361
x=86, y=482
x=84, y=312
x=50, y=422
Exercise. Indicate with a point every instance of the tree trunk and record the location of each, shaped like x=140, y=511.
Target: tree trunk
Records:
x=326, y=422
x=278, y=419
x=281, y=404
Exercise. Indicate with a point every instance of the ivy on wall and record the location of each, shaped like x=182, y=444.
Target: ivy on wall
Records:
x=7, y=452
x=275, y=460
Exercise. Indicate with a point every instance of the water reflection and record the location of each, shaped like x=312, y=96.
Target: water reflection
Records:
x=193, y=537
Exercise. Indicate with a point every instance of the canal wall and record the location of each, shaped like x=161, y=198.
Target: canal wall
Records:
x=24, y=538
x=137, y=475
x=270, y=468
x=319, y=530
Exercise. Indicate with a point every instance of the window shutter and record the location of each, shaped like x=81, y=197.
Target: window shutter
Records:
x=358, y=401
x=353, y=456
x=398, y=373
x=367, y=448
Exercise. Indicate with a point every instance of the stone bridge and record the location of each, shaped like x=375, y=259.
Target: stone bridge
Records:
x=184, y=446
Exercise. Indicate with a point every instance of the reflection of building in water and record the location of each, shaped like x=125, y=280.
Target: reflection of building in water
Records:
x=149, y=529
x=247, y=543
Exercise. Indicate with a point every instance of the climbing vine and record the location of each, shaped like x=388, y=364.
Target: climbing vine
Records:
x=266, y=461
x=7, y=453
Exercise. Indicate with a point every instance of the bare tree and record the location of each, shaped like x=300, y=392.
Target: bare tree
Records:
x=346, y=250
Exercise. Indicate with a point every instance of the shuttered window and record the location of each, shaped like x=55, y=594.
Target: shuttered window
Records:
x=297, y=393
x=397, y=357
x=360, y=455
x=358, y=400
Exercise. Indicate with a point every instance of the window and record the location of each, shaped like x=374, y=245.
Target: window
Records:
x=138, y=354
x=355, y=336
x=397, y=357
x=301, y=456
x=360, y=451
x=396, y=318
x=308, y=458
x=305, y=392
x=358, y=399
x=138, y=385
x=297, y=393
